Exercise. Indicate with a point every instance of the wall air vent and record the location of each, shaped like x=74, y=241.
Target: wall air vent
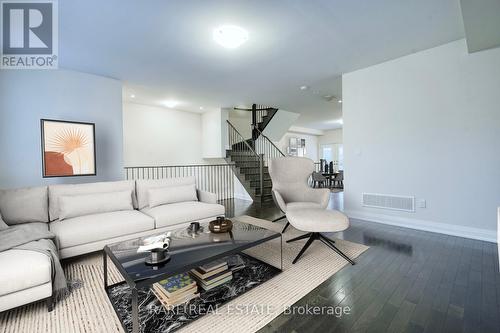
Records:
x=384, y=201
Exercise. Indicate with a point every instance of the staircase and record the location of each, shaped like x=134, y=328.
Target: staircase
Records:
x=249, y=157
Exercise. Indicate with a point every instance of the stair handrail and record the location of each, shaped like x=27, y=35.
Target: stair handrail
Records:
x=259, y=157
x=243, y=139
x=272, y=143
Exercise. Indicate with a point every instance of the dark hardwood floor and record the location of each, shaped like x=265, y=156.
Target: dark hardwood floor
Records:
x=408, y=281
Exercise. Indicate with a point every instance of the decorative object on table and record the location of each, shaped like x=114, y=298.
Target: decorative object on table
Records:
x=194, y=226
x=158, y=248
x=68, y=148
x=213, y=274
x=194, y=229
x=220, y=225
x=176, y=290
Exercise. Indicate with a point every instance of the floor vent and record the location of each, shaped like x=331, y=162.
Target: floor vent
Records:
x=394, y=202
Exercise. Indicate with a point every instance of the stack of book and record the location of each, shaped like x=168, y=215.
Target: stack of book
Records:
x=213, y=274
x=176, y=290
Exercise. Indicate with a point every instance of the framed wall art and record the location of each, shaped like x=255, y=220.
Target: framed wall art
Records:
x=68, y=148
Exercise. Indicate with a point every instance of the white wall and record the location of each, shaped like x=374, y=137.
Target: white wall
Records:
x=160, y=136
x=280, y=124
x=311, y=144
x=242, y=121
x=26, y=96
x=331, y=136
x=427, y=125
x=212, y=140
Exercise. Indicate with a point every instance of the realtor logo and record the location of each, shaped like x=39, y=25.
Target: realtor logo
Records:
x=29, y=34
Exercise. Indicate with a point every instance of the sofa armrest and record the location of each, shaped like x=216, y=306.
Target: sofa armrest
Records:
x=206, y=197
x=319, y=195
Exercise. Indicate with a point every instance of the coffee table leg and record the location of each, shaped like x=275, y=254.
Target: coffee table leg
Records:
x=105, y=265
x=135, y=311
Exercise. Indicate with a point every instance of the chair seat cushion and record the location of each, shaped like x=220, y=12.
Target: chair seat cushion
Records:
x=92, y=228
x=317, y=219
x=23, y=269
x=301, y=205
x=181, y=212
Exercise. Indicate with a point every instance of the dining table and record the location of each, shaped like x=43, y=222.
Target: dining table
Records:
x=330, y=176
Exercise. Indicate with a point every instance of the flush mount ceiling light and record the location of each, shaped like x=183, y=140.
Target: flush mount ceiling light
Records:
x=230, y=36
x=171, y=104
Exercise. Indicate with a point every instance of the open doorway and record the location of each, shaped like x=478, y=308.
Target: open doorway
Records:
x=332, y=157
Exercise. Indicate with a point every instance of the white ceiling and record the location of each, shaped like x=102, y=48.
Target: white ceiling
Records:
x=164, y=49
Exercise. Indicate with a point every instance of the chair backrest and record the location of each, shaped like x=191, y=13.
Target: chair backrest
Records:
x=290, y=176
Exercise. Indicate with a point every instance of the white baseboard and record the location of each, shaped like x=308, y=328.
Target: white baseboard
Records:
x=441, y=228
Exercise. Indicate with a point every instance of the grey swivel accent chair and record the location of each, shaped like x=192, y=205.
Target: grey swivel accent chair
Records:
x=290, y=177
x=305, y=207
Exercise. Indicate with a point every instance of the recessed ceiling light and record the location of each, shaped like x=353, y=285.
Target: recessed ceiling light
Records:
x=340, y=101
x=170, y=104
x=132, y=96
x=201, y=107
x=304, y=87
x=230, y=36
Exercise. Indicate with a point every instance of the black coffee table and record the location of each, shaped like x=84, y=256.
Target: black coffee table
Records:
x=187, y=251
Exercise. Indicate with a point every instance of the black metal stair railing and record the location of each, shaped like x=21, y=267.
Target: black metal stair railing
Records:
x=266, y=148
x=247, y=160
x=215, y=178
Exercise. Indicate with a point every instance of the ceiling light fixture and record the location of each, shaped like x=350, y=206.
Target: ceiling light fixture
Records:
x=304, y=87
x=340, y=101
x=171, y=104
x=132, y=96
x=201, y=107
x=230, y=36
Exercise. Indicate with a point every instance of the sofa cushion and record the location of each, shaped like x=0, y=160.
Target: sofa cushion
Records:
x=166, y=195
x=87, y=204
x=56, y=191
x=23, y=269
x=92, y=228
x=24, y=205
x=181, y=212
x=143, y=186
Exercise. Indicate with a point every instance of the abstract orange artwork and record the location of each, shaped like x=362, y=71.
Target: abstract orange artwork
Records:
x=68, y=148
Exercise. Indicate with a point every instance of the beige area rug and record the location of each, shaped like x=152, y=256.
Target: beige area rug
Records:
x=88, y=309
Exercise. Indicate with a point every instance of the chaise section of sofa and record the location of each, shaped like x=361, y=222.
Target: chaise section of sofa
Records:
x=26, y=275
x=86, y=217
x=176, y=201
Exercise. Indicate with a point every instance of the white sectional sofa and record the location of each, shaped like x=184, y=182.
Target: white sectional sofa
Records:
x=86, y=217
